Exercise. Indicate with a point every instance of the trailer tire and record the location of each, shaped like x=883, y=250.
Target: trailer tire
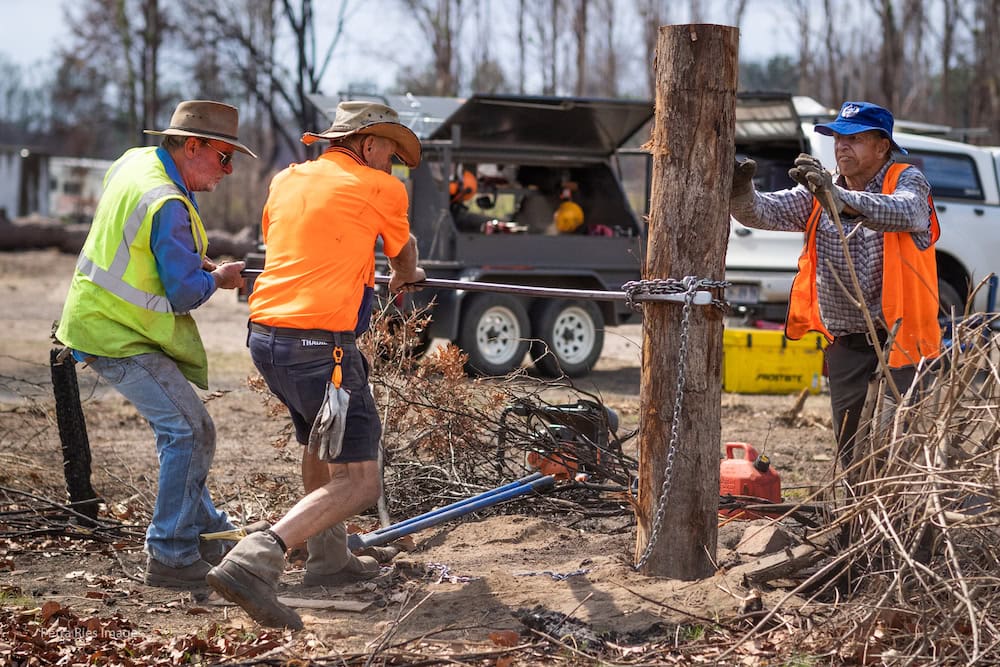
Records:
x=570, y=337
x=494, y=333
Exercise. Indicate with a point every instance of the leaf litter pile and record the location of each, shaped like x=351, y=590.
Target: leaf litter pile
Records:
x=893, y=562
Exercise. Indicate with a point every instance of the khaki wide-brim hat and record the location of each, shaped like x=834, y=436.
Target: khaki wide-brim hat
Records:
x=370, y=118
x=208, y=120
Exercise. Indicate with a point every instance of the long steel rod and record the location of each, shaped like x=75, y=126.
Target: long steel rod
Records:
x=392, y=533
x=701, y=297
x=463, y=502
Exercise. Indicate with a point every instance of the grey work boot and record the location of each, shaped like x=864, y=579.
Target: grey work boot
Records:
x=331, y=564
x=249, y=575
x=190, y=577
x=213, y=551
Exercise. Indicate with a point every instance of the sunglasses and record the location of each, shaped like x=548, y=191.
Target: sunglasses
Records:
x=224, y=158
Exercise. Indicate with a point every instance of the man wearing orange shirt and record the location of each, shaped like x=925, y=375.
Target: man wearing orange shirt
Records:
x=320, y=226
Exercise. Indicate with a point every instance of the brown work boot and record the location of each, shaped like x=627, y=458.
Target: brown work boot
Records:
x=190, y=577
x=249, y=576
x=331, y=564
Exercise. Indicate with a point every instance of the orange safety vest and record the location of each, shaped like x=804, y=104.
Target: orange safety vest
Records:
x=909, y=288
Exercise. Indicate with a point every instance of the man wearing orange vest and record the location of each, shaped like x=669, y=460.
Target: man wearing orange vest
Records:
x=321, y=223
x=889, y=230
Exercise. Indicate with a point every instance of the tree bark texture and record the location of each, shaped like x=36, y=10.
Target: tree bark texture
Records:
x=693, y=152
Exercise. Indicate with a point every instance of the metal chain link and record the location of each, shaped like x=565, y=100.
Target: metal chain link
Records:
x=672, y=286
x=691, y=285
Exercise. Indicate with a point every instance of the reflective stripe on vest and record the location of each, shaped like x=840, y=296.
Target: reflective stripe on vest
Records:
x=112, y=279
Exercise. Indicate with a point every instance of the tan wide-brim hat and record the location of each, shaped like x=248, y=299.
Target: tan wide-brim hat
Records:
x=370, y=118
x=208, y=120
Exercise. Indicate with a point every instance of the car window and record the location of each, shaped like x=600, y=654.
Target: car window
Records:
x=951, y=175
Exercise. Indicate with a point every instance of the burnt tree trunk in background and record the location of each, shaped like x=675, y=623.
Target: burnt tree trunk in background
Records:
x=73, y=435
x=693, y=151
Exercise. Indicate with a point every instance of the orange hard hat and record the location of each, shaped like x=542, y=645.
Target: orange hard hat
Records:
x=465, y=190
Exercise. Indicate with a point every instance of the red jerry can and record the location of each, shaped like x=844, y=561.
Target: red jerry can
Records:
x=751, y=475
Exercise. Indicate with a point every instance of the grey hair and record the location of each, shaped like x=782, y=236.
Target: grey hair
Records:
x=173, y=142
x=351, y=142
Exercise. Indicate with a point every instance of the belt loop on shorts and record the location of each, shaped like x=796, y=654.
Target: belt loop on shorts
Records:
x=862, y=341
x=880, y=337
x=335, y=337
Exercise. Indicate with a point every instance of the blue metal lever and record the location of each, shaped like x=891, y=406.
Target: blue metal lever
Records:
x=461, y=503
x=388, y=534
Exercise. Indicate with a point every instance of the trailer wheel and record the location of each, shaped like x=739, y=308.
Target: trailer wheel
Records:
x=571, y=337
x=494, y=333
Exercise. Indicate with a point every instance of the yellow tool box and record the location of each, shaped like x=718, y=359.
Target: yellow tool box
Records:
x=763, y=361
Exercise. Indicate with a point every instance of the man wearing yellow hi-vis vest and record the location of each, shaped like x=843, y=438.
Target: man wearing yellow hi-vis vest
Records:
x=142, y=269
x=890, y=225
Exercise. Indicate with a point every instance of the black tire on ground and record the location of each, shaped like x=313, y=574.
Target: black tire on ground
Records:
x=571, y=337
x=949, y=298
x=494, y=333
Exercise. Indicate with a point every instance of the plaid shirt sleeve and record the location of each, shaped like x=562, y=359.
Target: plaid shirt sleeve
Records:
x=782, y=211
x=905, y=210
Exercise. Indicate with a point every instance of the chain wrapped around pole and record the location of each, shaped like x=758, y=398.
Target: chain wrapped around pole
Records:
x=634, y=288
x=689, y=286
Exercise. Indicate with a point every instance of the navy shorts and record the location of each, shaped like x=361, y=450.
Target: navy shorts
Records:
x=297, y=369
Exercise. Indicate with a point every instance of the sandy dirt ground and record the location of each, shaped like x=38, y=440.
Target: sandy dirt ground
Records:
x=462, y=580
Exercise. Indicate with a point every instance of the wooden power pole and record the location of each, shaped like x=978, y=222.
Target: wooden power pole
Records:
x=693, y=152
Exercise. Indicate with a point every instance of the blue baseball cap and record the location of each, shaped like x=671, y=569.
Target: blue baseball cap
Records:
x=857, y=117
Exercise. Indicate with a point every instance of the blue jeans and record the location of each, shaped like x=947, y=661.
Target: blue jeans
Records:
x=185, y=447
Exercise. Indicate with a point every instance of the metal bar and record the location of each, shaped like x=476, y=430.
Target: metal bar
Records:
x=461, y=503
x=386, y=535
x=701, y=297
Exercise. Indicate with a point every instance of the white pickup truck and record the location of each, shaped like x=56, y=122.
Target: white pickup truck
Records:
x=964, y=183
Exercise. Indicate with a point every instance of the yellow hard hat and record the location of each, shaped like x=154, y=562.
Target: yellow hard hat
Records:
x=568, y=217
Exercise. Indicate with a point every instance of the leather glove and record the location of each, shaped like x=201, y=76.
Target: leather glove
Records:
x=809, y=171
x=326, y=438
x=743, y=173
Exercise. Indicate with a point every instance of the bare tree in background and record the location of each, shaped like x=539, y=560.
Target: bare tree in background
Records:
x=124, y=38
x=737, y=10
x=953, y=16
x=441, y=23
x=580, y=38
x=488, y=75
x=695, y=9
x=986, y=95
x=551, y=49
x=800, y=10
x=606, y=56
x=652, y=14
x=521, y=45
x=890, y=53
x=247, y=32
x=24, y=103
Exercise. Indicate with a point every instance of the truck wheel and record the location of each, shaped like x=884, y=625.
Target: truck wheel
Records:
x=494, y=333
x=572, y=336
x=949, y=298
